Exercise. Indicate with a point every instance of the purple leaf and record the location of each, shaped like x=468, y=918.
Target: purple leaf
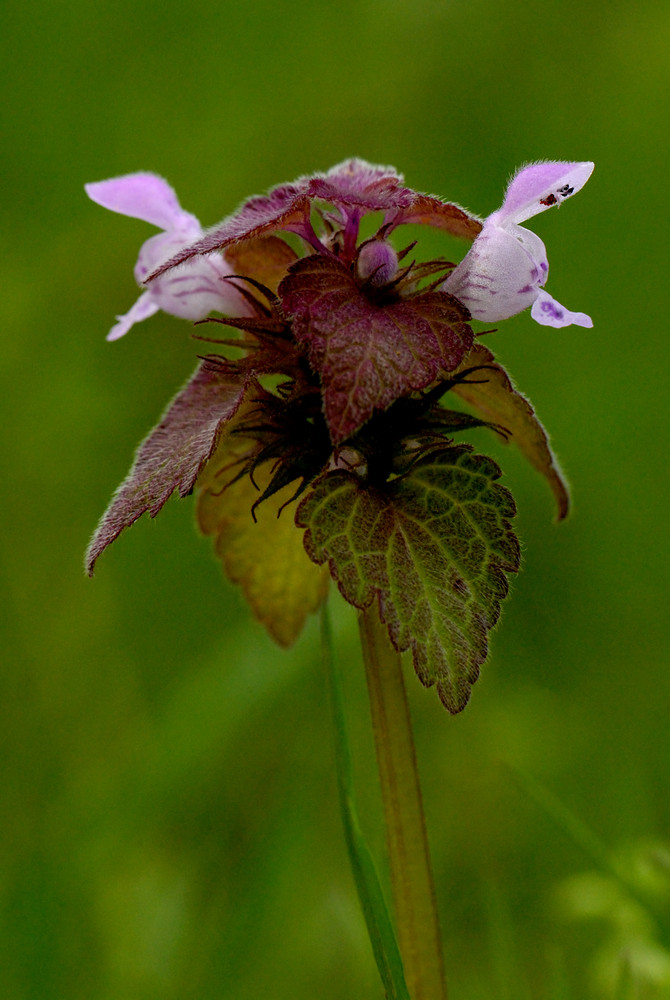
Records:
x=173, y=454
x=367, y=354
x=353, y=184
x=284, y=209
x=357, y=184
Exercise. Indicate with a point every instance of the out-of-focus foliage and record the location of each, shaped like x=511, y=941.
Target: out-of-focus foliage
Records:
x=169, y=818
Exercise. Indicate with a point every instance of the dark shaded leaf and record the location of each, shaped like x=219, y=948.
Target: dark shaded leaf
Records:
x=433, y=547
x=369, y=354
x=266, y=259
x=173, y=454
x=356, y=187
x=493, y=395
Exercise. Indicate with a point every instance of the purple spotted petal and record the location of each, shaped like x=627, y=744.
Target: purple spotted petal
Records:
x=549, y=312
x=142, y=196
x=501, y=274
x=537, y=187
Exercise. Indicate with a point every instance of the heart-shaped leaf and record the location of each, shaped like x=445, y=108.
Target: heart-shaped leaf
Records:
x=433, y=546
x=369, y=354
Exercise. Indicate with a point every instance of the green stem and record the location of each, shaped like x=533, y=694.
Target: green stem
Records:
x=411, y=875
x=377, y=919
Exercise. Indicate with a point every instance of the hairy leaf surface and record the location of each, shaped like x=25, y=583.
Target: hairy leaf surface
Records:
x=173, y=454
x=265, y=557
x=498, y=401
x=367, y=354
x=433, y=547
x=357, y=184
x=427, y=210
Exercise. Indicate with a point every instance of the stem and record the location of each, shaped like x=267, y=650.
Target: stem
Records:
x=377, y=918
x=411, y=875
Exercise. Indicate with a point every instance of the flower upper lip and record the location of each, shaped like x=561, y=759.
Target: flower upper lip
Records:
x=192, y=292
x=506, y=268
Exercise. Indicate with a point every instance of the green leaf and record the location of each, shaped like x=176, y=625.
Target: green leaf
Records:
x=265, y=556
x=493, y=395
x=433, y=546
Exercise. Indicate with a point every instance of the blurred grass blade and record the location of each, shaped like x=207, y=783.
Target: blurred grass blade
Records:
x=626, y=985
x=590, y=844
x=375, y=911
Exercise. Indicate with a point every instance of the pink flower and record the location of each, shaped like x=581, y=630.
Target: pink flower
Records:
x=506, y=267
x=191, y=291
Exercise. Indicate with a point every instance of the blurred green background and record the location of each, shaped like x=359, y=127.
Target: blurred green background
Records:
x=169, y=819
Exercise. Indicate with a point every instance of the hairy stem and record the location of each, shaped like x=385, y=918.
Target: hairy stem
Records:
x=411, y=875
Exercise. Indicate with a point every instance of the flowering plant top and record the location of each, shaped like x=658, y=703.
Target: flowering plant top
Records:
x=345, y=349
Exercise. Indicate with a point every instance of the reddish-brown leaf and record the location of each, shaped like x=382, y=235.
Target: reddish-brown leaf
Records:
x=427, y=210
x=173, y=454
x=286, y=209
x=361, y=185
x=369, y=354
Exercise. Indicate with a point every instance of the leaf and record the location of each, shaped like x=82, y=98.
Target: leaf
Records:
x=358, y=184
x=286, y=208
x=433, y=546
x=265, y=557
x=266, y=259
x=498, y=401
x=367, y=354
x=174, y=452
x=426, y=210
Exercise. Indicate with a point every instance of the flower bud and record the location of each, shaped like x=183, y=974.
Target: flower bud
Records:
x=377, y=262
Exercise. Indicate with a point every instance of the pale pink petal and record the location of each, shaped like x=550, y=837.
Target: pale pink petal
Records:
x=501, y=274
x=159, y=248
x=143, y=308
x=537, y=187
x=196, y=288
x=549, y=312
x=142, y=196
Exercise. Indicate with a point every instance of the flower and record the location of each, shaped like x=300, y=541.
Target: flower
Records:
x=190, y=292
x=506, y=267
